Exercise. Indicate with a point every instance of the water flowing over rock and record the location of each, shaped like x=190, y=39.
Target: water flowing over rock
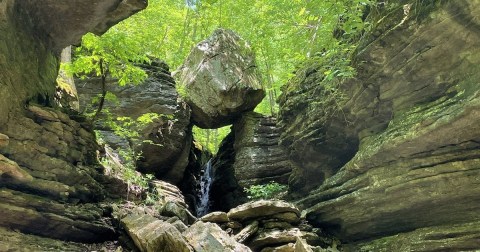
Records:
x=250, y=155
x=203, y=203
x=220, y=80
x=399, y=158
x=165, y=142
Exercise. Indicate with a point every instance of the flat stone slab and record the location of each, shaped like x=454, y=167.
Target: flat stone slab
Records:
x=151, y=234
x=262, y=208
x=209, y=237
x=216, y=217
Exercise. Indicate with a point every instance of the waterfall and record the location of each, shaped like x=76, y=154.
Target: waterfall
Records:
x=203, y=202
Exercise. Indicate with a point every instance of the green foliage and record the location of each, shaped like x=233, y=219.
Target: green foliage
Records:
x=210, y=138
x=282, y=33
x=124, y=168
x=114, y=53
x=271, y=190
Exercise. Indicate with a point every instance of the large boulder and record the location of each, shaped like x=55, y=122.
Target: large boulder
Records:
x=209, y=237
x=220, y=80
x=250, y=155
x=164, y=142
x=396, y=151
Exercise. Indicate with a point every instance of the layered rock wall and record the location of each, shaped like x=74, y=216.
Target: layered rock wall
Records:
x=164, y=143
x=250, y=155
x=398, y=151
x=50, y=182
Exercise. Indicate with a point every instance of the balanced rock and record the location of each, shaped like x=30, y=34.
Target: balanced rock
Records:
x=262, y=208
x=220, y=80
x=209, y=237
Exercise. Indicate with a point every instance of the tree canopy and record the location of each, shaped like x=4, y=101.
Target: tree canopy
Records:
x=283, y=33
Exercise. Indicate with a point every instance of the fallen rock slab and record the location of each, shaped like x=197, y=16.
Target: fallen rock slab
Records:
x=151, y=234
x=262, y=208
x=209, y=237
x=215, y=217
x=247, y=232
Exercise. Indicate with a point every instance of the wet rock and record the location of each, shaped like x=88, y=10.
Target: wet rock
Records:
x=220, y=79
x=216, y=217
x=209, y=237
x=262, y=208
x=151, y=234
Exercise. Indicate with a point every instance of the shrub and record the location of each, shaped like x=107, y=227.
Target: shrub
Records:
x=272, y=190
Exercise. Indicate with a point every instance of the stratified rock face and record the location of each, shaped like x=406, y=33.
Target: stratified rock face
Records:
x=50, y=181
x=402, y=153
x=254, y=157
x=47, y=168
x=163, y=143
x=259, y=158
x=220, y=80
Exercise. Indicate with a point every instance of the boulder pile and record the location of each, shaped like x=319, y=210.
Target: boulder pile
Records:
x=269, y=226
x=265, y=226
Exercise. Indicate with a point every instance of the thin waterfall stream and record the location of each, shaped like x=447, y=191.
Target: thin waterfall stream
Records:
x=203, y=202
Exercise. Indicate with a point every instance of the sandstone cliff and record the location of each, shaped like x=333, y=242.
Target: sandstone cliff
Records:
x=50, y=181
x=398, y=155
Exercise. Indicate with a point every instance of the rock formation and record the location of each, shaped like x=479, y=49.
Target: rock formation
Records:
x=165, y=142
x=220, y=80
x=50, y=181
x=396, y=154
x=250, y=155
x=267, y=225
